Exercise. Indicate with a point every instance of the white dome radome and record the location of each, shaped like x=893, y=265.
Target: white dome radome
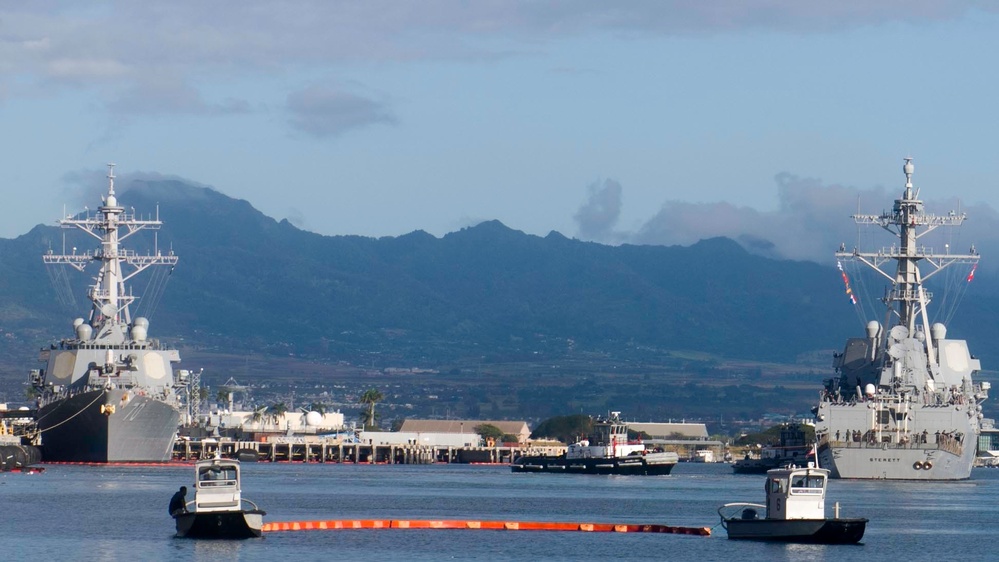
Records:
x=313, y=419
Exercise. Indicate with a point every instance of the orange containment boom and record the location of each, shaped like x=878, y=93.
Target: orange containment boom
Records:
x=486, y=525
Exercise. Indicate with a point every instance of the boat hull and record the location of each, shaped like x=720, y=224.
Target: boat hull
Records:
x=657, y=464
x=815, y=531
x=220, y=524
x=140, y=429
x=754, y=466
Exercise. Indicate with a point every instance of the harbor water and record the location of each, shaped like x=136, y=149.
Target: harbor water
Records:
x=72, y=512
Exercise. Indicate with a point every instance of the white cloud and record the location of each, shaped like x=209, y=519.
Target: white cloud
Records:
x=810, y=223
x=82, y=45
x=598, y=216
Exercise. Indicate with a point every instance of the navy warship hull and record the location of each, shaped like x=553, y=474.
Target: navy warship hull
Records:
x=83, y=428
x=865, y=461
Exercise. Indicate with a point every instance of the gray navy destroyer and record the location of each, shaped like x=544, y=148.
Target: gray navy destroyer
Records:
x=109, y=393
x=905, y=405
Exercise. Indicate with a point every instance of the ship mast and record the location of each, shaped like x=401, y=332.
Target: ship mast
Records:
x=907, y=221
x=111, y=225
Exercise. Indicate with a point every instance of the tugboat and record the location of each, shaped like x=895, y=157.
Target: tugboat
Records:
x=218, y=505
x=791, y=448
x=795, y=512
x=607, y=451
x=904, y=406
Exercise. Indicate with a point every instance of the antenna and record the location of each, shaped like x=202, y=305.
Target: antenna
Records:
x=111, y=178
x=908, y=168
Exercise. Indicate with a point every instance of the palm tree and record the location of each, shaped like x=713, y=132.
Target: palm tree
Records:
x=258, y=415
x=368, y=417
x=277, y=410
x=318, y=407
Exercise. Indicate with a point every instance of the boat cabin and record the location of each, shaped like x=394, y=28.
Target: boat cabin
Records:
x=609, y=439
x=217, y=487
x=796, y=493
x=609, y=432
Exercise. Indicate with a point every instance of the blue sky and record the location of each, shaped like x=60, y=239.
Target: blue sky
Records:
x=645, y=122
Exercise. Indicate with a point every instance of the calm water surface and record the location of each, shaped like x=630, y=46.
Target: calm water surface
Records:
x=119, y=513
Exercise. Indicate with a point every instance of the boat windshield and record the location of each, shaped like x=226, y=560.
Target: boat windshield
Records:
x=217, y=476
x=808, y=482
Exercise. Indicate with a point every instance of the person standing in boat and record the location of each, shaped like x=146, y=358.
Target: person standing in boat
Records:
x=178, y=503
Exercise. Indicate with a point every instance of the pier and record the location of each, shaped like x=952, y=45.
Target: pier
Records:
x=344, y=452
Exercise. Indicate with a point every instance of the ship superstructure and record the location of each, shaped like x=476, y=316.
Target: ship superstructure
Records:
x=109, y=393
x=905, y=405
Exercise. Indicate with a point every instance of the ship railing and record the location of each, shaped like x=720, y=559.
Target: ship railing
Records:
x=910, y=295
x=941, y=398
x=946, y=444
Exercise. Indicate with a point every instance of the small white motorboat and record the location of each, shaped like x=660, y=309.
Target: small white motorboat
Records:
x=218, y=511
x=794, y=512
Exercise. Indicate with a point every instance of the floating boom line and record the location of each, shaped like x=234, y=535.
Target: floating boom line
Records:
x=348, y=524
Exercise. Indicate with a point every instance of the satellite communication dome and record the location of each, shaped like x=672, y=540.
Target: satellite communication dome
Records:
x=138, y=333
x=83, y=332
x=873, y=327
x=313, y=419
x=938, y=331
x=869, y=390
x=899, y=332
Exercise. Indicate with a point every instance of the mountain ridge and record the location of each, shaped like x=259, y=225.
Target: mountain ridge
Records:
x=248, y=281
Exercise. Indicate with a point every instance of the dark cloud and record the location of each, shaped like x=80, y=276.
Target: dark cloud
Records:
x=329, y=112
x=685, y=17
x=597, y=217
x=157, y=95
